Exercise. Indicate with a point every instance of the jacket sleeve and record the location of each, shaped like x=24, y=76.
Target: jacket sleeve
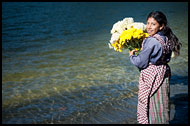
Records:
x=151, y=48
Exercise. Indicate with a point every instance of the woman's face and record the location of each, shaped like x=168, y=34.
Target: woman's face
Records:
x=152, y=26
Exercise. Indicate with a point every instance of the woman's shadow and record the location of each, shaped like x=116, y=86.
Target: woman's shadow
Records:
x=179, y=100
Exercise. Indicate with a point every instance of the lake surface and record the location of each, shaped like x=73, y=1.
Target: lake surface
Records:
x=57, y=66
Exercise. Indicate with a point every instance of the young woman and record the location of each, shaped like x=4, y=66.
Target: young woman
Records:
x=153, y=95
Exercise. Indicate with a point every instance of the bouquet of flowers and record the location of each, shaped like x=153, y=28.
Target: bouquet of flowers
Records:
x=127, y=34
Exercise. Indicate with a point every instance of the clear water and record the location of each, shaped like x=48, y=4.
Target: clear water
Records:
x=58, y=68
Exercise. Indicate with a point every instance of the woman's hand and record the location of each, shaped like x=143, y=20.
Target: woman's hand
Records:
x=132, y=52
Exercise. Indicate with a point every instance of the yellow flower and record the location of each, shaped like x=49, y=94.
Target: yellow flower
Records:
x=123, y=43
x=135, y=35
x=130, y=39
x=146, y=35
x=136, y=49
x=139, y=31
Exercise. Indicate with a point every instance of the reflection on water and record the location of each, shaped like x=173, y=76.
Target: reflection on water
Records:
x=63, y=107
x=57, y=67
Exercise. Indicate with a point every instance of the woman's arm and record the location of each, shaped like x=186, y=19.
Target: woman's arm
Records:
x=151, y=49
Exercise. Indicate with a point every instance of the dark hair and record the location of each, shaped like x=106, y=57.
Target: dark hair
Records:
x=172, y=39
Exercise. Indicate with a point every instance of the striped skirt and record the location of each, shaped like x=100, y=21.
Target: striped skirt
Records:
x=159, y=110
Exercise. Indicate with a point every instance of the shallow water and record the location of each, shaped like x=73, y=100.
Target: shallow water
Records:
x=58, y=68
